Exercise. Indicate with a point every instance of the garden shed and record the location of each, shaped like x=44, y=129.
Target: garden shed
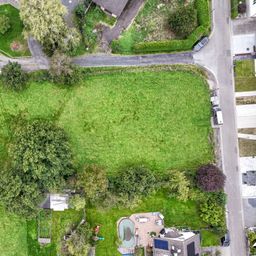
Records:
x=56, y=202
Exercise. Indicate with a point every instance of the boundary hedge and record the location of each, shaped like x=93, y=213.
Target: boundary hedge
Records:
x=204, y=20
x=234, y=9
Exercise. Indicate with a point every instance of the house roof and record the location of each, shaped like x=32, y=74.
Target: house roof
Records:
x=115, y=7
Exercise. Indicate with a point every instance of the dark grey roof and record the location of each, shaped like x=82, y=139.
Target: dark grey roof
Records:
x=115, y=7
x=249, y=178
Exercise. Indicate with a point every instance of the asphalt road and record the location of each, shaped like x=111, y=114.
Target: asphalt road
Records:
x=217, y=57
x=134, y=60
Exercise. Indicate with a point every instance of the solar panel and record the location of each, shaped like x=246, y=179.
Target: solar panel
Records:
x=191, y=249
x=161, y=244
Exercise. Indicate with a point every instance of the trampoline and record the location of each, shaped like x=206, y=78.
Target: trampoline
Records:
x=126, y=230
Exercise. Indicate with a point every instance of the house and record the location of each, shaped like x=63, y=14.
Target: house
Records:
x=173, y=242
x=112, y=7
x=251, y=8
x=56, y=202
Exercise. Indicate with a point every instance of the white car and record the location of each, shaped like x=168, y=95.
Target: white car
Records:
x=217, y=116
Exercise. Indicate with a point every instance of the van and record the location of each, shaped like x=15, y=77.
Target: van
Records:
x=217, y=116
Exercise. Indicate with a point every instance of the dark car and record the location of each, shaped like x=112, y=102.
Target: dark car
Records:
x=225, y=240
x=203, y=41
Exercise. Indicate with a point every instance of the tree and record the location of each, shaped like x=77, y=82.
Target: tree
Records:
x=44, y=20
x=184, y=20
x=211, y=212
x=177, y=182
x=41, y=160
x=93, y=182
x=134, y=181
x=242, y=8
x=62, y=71
x=79, y=242
x=5, y=24
x=210, y=178
x=13, y=76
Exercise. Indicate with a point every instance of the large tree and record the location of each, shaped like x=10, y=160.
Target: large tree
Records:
x=210, y=178
x=44, y=20
x=40, y=160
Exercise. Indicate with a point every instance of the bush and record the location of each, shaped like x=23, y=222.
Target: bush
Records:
x=62, y=71
x=5, y=24
x=133, y=181
x=252, y=240
x=13, y=76
x=183, y=21
x=93, y=183
x=242, y=8
x=77, y=202
x=177, y=183
x=210, y=178
x=212, y=213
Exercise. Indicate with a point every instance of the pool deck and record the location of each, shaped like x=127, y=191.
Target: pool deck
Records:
x=145, y=223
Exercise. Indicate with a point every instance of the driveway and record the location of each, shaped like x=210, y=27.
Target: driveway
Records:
x=246, y=116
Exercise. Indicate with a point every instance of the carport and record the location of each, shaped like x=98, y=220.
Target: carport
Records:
x=244, y=44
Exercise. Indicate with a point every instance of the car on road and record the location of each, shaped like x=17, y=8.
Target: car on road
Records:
x=203, y=41
x=225, y=240
x=217, y=116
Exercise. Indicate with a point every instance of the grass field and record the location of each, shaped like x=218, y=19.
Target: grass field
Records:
x=13, y=235
x=245, y=79
x=14, y=34
x=157, y=117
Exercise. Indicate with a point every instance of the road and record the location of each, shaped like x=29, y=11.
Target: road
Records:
x=134, y=60
x=217, y=57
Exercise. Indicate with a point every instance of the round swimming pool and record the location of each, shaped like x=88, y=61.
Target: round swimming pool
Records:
x=126, y=229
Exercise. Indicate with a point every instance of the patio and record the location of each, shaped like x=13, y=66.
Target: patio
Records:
x=145, y=227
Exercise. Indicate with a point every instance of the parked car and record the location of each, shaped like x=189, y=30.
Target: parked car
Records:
x=214, y=98
x=203, y=41
x=217, y=115
x=225, y=240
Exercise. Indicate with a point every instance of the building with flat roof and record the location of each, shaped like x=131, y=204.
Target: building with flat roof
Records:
x=112, y=7
x=173, y=242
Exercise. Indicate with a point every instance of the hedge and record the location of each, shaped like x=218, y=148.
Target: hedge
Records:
x=234, y=9
x=203, y=15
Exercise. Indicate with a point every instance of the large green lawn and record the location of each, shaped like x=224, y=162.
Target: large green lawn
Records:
x=153, y=116
x=245, y=79
x=161, y=119
x=14, y=34
x=13, y=235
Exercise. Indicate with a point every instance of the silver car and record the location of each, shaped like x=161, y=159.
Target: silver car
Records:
x=201, y=44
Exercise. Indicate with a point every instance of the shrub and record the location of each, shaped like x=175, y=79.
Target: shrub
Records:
x=5, y=24
x=133, y=181
x=211, y=212
x=177, y=183
x=252, y=240
x=62, y=71
x=77, y=202
x=210, y=178
x=13, y=76
x=93, y=182
x=184, y=20
x=242, y=8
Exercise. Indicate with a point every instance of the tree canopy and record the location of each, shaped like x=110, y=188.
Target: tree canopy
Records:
x=13, y=76
x=44, y=20
x=184, y=20
x=40, y=160
x=210, y=178
x=5, y=24
x=134, y=181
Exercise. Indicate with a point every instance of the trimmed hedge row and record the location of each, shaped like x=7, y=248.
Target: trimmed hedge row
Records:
x=203, y=15
x=234, y=9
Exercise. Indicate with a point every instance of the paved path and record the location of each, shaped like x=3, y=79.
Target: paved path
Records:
x=217, y=57
x=15, y=3
x=245, y=94
x=134, y=60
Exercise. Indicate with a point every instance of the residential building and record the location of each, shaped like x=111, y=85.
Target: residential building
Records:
x=173, y=242
x=112, y=7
